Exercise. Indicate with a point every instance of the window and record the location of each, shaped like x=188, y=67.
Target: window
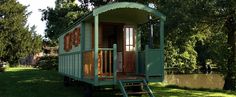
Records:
x=72, y=38
x=67, y=42
x=129, y=41
x=76, y=36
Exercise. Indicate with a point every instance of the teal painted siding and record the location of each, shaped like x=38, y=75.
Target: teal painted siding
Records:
x=88, y=36
x=69, y=62
x=154, y=68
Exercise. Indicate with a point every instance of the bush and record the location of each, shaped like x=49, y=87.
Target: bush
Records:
x=2, y=69
x=3, y=66
x=48, y=63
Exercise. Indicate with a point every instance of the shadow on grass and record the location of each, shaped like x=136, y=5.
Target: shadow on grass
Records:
x=29, y=82
x=34, y=83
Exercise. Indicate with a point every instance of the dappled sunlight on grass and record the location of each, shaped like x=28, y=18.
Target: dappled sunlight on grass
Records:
x=219, y=95
x=174, y=92
x=16, y=69
x=37, y=80
x=30, y=82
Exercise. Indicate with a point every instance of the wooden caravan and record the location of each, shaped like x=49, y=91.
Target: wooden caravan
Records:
x=104, y=47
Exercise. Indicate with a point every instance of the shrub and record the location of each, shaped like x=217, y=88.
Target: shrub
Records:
x=48, y=63
x=3, y=66
x=2, y=69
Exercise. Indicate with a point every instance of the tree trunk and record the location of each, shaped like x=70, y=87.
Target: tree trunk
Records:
x=230, y=74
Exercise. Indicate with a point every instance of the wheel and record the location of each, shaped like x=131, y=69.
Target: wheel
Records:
x=67, y=81
x=88, y=90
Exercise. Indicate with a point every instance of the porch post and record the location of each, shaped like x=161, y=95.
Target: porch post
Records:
x=138, y=49
x=82, y=48
x=162, y=45
x=150, y=32
x=162, y=34
x=114, y=63
x=96, y=22
x=146, y=62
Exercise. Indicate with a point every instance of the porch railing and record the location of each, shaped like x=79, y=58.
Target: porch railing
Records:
x=107, y=61
x=88, y=64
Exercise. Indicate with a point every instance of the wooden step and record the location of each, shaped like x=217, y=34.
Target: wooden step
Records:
x=134, y=93
x=130, y=85
x=128, y=88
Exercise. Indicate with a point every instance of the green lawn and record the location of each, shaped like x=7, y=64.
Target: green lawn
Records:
x=28, y=82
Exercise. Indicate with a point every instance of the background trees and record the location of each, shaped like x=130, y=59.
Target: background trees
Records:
x=16, y=39
x=227, y=12
x=210, y=27
x=65, y=13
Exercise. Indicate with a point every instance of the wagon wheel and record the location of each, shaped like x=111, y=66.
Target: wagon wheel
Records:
x=67, y=81
x=88, y=90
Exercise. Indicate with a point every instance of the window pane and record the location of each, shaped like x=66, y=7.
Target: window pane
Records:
x=131, y=48
x=127, y=36
x=127, y=48
x=131, y=36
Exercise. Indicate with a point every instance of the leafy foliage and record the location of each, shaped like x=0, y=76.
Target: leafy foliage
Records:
x=59, y=18
x=215, y=17
x=97, y=3
x=48, y=63
x=15, y=38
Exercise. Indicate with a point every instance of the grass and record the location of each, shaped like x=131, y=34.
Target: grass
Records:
x=29, y=82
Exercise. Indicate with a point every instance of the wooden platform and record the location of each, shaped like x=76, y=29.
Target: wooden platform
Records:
x=129, y=76
x=122, y=76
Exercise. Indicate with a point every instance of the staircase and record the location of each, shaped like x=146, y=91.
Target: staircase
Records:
x=134, y=88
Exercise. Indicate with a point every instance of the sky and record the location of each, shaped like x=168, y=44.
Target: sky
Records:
x=35, y=17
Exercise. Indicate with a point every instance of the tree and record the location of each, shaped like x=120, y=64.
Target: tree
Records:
x=97, y=3
x=213, y=16
x=16, y=39
x=183, y=29
x=37, y=41
x=65, y=13
x=227, y=13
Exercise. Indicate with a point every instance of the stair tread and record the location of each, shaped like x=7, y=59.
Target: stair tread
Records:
x=141, y=92
x=135, y=85
x=126, y=87
x=132, y=81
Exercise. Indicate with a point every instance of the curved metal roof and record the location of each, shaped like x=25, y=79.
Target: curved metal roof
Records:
x=113, y=6
x=119, y=5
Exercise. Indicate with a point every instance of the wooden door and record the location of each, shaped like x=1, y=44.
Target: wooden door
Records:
x=129, y=50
